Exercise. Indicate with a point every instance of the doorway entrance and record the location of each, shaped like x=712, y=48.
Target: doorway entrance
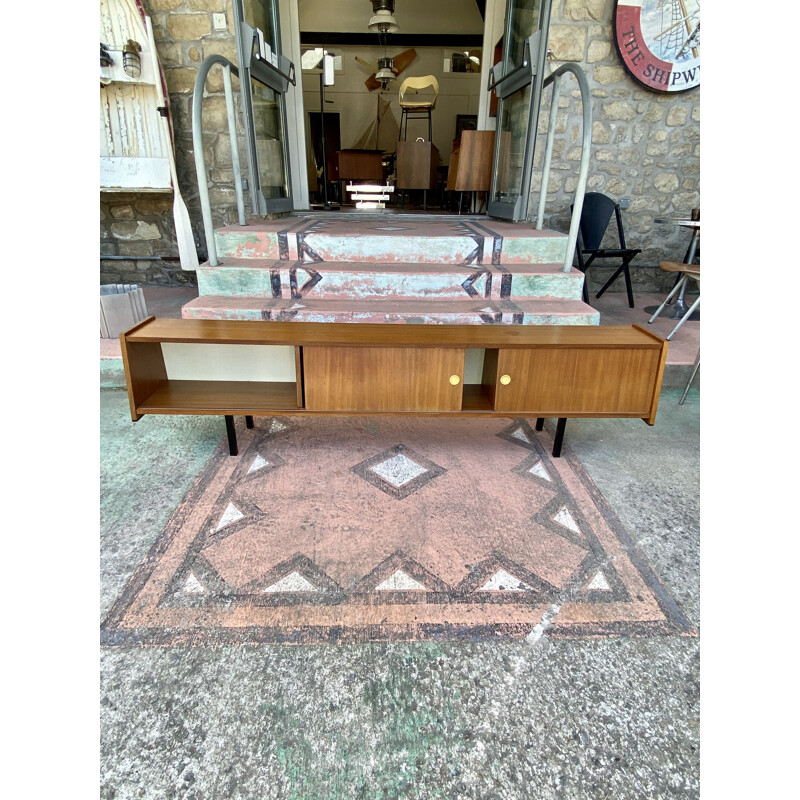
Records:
x=458, y=42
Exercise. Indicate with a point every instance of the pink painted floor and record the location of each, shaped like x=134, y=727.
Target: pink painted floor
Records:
x=359, y=529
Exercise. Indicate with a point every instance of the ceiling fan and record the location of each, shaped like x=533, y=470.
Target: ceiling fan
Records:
x=399, y=63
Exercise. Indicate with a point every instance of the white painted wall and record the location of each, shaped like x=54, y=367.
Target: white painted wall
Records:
x=458, y=94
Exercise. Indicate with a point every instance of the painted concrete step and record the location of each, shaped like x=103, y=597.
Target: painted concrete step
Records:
x=341, y=280
x=436, y=240
x=470, y=311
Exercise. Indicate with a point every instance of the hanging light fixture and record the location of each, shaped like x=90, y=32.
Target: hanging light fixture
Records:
x=383, y=20
x=385, y=72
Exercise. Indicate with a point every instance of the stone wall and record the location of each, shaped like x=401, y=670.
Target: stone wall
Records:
x=141, y=224
x=645, y=145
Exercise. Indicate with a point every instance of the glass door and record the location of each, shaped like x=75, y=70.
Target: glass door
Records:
x=517, y=80
x=265, y=76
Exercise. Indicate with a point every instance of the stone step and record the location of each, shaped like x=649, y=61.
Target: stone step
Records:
x=469, y=311
x=341, y=280
x=392, y=239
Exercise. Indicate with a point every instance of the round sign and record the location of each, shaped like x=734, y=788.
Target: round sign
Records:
x=659, y=42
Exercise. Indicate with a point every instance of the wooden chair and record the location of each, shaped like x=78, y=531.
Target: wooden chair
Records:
x=595, y=217
x=689, y=271
x=412, y=105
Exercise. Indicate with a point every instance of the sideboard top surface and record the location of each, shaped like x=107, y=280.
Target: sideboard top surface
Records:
x=201, y=331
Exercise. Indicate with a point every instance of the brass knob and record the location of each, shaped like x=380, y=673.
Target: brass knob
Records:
x=455, y=380
x=505, y=379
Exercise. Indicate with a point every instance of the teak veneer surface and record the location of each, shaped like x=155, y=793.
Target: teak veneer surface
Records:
x=382, y=378
x=220, y=397
x=211, y=331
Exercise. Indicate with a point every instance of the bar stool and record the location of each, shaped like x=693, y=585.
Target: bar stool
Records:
x=689, y=271
x=417, y=106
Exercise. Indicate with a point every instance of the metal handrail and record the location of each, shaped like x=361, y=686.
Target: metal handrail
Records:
x=586, y=143
x=199, y=155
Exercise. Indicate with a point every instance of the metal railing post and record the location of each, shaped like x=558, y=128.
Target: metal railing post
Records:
x=548, y=155
x=199, y=156
x=237, y=174
x=586, y=146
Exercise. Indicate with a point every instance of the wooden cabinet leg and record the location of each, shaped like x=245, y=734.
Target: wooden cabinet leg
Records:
x=557, y=442
x=249, y=422
x=539, y=423
x=231, y=429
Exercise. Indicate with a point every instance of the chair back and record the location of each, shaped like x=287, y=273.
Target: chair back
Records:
x=415, y=85
x=595, y=216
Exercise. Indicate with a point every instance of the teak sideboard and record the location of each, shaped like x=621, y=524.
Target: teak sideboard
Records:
x=384, y=369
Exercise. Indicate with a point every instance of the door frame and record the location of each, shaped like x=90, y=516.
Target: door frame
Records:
x=269, y=77
x=530, y=73
x=289, y=19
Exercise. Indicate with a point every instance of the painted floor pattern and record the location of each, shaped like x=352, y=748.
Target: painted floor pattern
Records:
x=388, y=529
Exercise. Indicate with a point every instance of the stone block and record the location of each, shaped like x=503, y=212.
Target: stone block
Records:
x=615, y=187
x=600, y=133
x=605, y=75
x=568, y=42
x=122, y=212
x=188, y=27
x=136, y=231
x=580, y=10
x=170, y=54
x=598, y=50
x=136, y=248
x=618, y=110
x=180, y=80
x=206, y=5
x=215, y=114
x=163, y=5
x=666, y=182
x=221, y=45
x=676, y=116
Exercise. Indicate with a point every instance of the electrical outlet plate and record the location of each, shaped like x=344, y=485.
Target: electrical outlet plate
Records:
x=624, y=202
x=219, y=22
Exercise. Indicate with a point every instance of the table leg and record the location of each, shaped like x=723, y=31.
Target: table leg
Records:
x=678, y=309
x=558, y=441
x=233, y=448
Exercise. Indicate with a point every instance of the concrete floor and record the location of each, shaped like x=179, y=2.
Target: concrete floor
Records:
x=594, y=719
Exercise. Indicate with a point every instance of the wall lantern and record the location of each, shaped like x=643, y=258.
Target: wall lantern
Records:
x=131, y=60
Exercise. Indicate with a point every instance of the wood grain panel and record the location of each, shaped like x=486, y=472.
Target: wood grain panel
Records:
x=475, y=161
x=382, y=379
x=144, y=371
x=380, y=335
x=221, y=397
x=576, y=381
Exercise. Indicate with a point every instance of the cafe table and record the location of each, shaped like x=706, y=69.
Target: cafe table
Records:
x=679, y=307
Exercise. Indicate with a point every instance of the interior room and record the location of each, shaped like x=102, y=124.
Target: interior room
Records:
x=362, y=110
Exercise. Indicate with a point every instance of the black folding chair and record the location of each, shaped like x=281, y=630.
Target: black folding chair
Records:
x=595, y=217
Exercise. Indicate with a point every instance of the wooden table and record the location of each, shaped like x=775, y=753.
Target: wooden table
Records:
x=679, y=307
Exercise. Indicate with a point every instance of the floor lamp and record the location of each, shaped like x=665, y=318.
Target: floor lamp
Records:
x=325, y=79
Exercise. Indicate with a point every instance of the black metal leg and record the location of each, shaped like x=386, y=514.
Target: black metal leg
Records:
x=558, y=441
x=231, y=429
x=539, y=423
x=628, y=285
x=248, y=421
x=611, y=280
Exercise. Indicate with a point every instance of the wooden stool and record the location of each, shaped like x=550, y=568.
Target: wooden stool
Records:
x=689, y=271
